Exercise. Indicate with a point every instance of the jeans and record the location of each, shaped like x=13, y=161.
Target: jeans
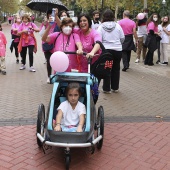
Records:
x=141, y=48
x=2, y=64
x=24, y=53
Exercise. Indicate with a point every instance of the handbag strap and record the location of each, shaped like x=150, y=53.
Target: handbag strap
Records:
x=101, y=45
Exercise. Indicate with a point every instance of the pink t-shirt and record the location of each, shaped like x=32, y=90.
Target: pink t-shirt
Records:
x=3, y=43
x=66, y=43
x=127, y=25
x=15, y=26
x=151, y=26
x=24, y=26
x=87, y=42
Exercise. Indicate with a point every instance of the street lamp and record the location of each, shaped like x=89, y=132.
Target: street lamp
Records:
x=145, y=3
x=163, y=3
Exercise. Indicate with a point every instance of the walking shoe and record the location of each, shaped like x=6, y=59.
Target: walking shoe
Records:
x=158, y=62
x=163, y=64
x=107, y=92
x=124, y=69
x=3, y=72
x=48, y=80
x=17, y=61
x=32, y=69
x=114, y=91
x=137, y=60
x=22, y=67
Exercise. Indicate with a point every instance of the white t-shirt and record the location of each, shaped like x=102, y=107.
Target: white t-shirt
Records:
x=96, y=25
x=142, y=30
x=70, y=116
x=164, y=36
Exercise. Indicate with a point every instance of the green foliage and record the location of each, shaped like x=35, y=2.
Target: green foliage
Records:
x=9, y=6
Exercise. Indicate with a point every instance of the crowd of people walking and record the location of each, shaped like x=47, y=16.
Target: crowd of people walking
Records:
x=62, y=34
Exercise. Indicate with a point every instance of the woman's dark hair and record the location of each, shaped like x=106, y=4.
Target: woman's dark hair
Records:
x=73, y=86
x=49, y=12
x=86, y=16
x=60, y=13
x=66, y=21
x=108, y=15
x=151, y=19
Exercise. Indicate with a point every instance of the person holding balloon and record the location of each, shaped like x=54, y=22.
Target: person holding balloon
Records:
x=64, y=41
x=142, y=34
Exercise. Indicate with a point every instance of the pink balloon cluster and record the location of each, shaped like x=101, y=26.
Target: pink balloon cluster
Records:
x=59, y=61
x=140, y=16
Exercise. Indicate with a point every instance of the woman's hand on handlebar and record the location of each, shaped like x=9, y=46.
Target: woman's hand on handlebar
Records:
x=79, y=52
x=90, y=55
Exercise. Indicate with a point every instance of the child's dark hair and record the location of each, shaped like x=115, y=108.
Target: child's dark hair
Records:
x=73, y=86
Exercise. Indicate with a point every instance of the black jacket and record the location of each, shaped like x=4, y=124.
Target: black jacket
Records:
x=128, y=44
x=151, y=42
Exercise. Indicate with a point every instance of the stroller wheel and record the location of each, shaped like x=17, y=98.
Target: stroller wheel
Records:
x=40, y=122
x=100, y=126
x=68, y=160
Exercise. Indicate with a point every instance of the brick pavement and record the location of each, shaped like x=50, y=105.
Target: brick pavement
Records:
x=144, y=94
x=127, y=146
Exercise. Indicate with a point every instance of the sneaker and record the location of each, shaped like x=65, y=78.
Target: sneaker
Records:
x=137, y=60
x=17, y=61
x=114, y=91
x=163, y=64
x=124, y=69
x=22, y=67
x=32, y=69
x=158, y=61
x=107, y=92
x=48, y=80
x=3, y=72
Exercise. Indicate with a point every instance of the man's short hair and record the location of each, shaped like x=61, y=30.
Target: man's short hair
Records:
x=96, y=12
x=126, y=13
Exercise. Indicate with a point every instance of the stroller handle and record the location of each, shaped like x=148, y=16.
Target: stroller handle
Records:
x=73, y=52
x=84, y=53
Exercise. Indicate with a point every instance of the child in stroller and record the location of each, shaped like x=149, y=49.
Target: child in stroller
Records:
x=71, y=113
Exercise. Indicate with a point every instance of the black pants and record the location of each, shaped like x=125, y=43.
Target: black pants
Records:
x=158, y=47
x=149, y=58
x=24, y=53
x=16, y=49
x=112, y=81
x=47, y=56
x=126, y=55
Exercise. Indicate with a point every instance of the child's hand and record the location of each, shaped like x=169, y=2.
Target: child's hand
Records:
x=57, y=128
x=79, y=129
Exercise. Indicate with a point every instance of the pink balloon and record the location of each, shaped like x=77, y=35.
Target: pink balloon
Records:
x=140, y=16
x=59, y=61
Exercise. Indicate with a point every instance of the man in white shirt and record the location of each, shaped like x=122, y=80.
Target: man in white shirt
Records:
x=95, y=22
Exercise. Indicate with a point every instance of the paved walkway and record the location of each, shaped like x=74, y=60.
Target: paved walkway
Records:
x=137, y=120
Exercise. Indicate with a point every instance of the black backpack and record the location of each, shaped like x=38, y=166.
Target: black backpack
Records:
x=103, y=65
